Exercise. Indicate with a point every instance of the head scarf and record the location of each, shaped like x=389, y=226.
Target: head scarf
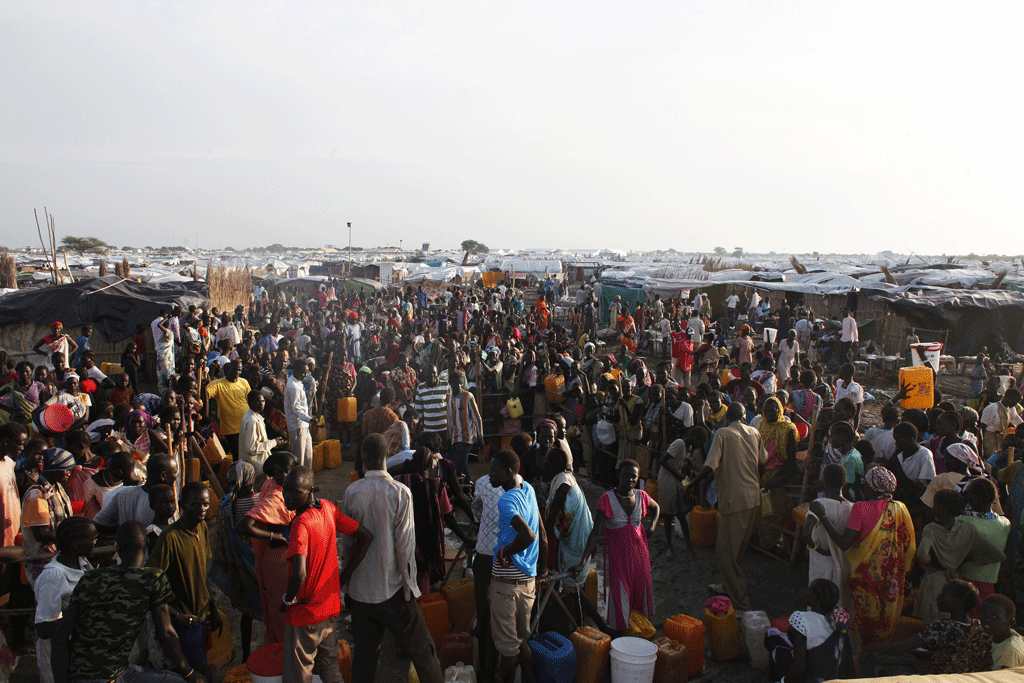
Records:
x=241, y=475
x=966, y=455
x=549, y=424
x=881, y=480
x=777, y=433
x=57, y=460
x=138, y=413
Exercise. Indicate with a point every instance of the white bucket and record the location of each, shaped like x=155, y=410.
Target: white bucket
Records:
x=633, y=660
x=755, y=625
x=770, y=333
x=265, y=679
x=931, y=352
x=460, y=673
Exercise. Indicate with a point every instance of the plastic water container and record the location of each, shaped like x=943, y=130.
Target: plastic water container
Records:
x=459, y=673
x=456, y=648
x=332, y=454
x=554, y=385
x=592, y=648
x=755, y=625
x=770, y=333
x=703, y=527
x=688, y=631
x=724, y=634
x=461, y=599
x=347, y=409
x=345, y=660
x=921, y=387
x=554, y=659
x=633, y=660
x=318, y=457
x=926, y=354
x=590, y=586
x=673, y=663
x=435, y=613
x=266, y=664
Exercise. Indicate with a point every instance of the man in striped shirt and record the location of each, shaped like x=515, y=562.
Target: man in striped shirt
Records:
x=465, y=428
x=431, y=402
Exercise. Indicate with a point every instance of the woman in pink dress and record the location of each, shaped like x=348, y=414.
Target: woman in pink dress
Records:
x=619, y=515
x=269, y=525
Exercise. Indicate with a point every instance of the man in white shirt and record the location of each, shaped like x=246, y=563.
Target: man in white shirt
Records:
x=730, y=303
x=253, y=444
x=382, y=591
x=916, y=460
x=997, y=418
x=849, y=338
x=695, y=327
x=296, y=411
x=847, y=388
x=752, y=304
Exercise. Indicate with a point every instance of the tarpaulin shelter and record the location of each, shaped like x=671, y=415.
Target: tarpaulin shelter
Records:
x=630, y=298
x=976, y=319
x=113, y=305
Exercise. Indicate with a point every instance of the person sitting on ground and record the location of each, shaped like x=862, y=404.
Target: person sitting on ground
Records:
x=817, y=645
x=958, y=645
x=94, y=644
x=998, y=614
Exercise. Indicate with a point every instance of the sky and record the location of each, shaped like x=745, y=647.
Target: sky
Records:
x=839, y=127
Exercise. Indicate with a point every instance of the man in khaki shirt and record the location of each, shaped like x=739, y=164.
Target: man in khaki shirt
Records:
x=737, y=460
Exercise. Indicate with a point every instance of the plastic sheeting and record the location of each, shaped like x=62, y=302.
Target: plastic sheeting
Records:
x=113, y=305
x=630, y=298
x=976, y=318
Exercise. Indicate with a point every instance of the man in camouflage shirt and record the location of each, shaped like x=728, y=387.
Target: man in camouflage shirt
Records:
x=106, y=613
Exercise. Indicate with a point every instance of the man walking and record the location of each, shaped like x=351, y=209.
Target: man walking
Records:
x=296, y=412
x=737, y=460
x=312, y=599
x=382, y=589
x=465, y=427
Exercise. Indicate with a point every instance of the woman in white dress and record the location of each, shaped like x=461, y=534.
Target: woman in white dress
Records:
x=789, y=350
x=826, y=560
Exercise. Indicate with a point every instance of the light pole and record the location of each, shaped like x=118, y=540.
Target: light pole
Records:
x=350, y=250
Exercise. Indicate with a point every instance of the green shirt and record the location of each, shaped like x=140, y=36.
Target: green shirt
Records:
x=184, y=556
x=112, y=603
x=995, y=531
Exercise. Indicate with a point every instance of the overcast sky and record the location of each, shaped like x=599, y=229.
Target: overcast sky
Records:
x=785, y=126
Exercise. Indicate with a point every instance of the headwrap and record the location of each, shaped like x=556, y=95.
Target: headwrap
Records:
x=146, y=417
x=589, y=344
x=881, y=480
x=966, y=455
x=777, y=432
x=242, y=474
x=548, y=423
x=69, y=375
x=56, y=323
x=57, y=460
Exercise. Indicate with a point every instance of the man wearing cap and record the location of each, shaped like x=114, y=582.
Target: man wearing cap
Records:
x=45, y=505
x=54, y=342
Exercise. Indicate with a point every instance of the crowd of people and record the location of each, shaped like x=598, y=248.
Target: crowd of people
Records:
x=919, y=515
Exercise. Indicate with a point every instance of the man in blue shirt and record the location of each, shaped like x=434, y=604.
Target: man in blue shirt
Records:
x=520, y=557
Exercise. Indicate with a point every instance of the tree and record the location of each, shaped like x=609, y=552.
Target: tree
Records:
x=737, y=252
x=719, y=251
x=86, y=244
x=474, y=247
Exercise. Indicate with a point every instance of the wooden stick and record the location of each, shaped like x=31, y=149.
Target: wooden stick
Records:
x=323, y=385
x=66, y=267
x=39, y=228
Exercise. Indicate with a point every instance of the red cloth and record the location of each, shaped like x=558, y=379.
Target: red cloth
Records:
x=682, y=351
x=315, y=536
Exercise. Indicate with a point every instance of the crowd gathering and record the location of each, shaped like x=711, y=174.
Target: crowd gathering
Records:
x=664, y=406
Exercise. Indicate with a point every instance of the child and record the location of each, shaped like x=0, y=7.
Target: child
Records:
x=163, y=505
x=817, y=645
x=124, y=392
x=826, y=560
x=79, y=443
x=841, y=437
x=997, y=618
x=957, y=645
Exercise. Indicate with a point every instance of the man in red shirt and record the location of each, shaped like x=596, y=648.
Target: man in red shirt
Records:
x=313, y=597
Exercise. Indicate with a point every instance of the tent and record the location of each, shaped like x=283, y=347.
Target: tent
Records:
x=114, y=306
